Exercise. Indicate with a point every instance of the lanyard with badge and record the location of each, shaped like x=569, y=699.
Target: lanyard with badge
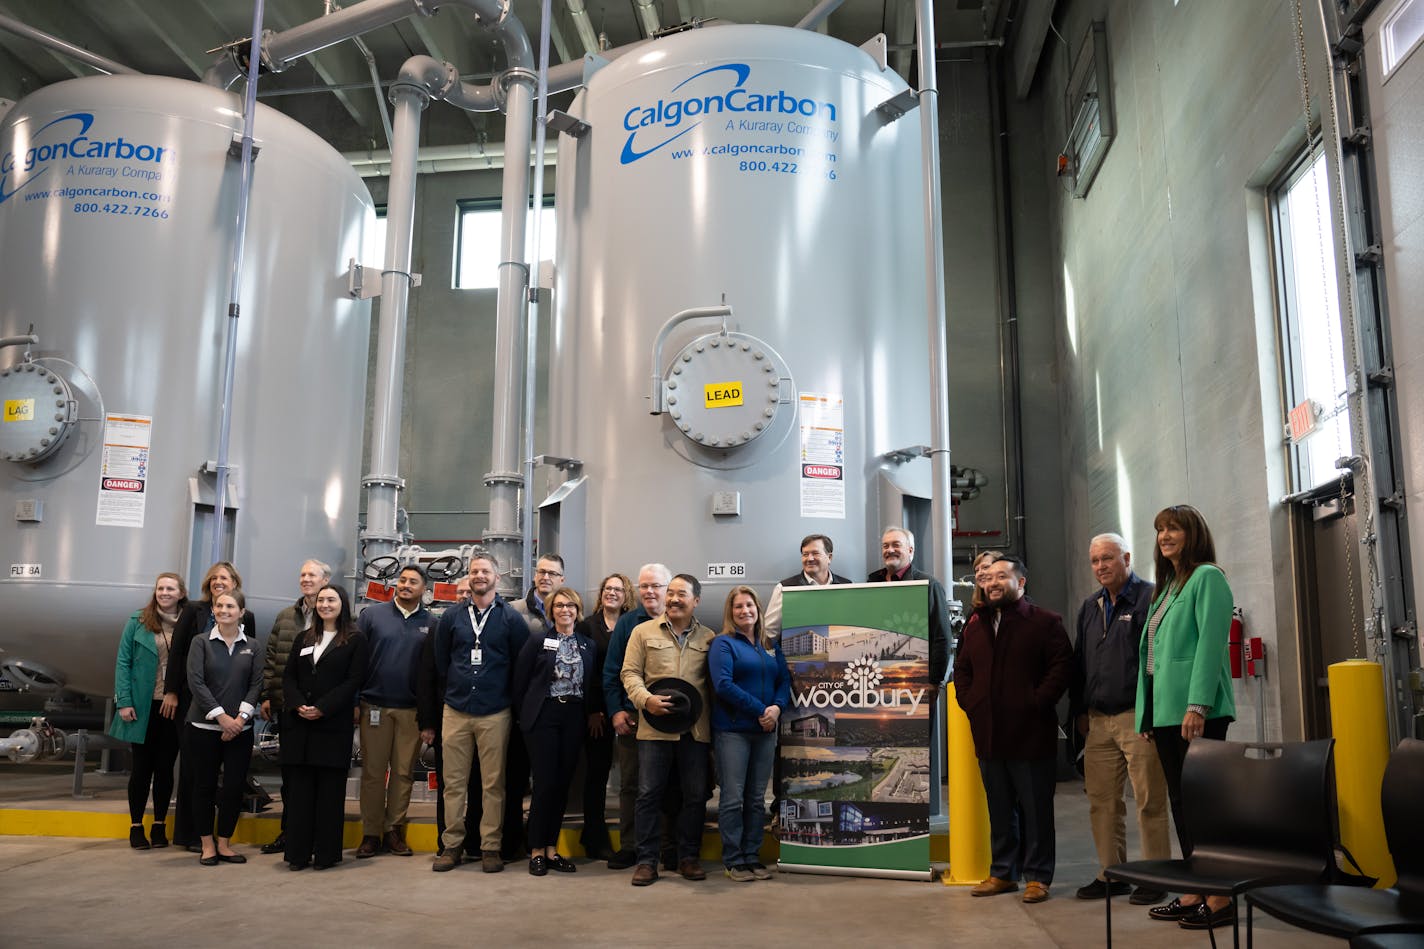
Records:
x=478, y=622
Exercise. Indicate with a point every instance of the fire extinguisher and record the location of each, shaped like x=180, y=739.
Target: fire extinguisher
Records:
x=1236, y=642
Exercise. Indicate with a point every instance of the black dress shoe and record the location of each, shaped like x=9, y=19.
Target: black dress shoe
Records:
x=562, y=864
x=294, y=867
x=622, y=860
x=208, y=861
x=277, y=846
x=599, y=852
x=1099, y=889
x=1146, y=896
x=1173, y=911
x=231, y=858
x=538, y=865
x=324, y=866
x=195, y=848
x=1207, y=918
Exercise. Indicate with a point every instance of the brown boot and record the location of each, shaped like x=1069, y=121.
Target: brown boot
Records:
x=395, y=843
x=645, y=875
x=370, y=846
x=448, y=860
x=491, y=861
x=993, y=887
x=691, y=869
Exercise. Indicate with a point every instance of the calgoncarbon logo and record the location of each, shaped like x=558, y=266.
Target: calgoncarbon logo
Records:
x=64, y=139
x=651, y=126
x=859, y=688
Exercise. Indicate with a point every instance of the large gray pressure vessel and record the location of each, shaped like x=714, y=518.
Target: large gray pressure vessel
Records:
x=754, y=164
x=118, y=205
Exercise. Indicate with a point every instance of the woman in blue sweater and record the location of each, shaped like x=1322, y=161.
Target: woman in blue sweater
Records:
x=751, y=686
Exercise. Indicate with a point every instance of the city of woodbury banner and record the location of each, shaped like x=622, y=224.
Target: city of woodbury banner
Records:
x=855, y=739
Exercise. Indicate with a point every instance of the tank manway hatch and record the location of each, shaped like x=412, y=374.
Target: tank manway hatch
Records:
x=729, y=395
x=39, y=412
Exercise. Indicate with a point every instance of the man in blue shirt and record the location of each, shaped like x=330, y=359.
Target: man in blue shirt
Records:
x=652, y=596
x=1104, y=702
x=475, y=646
x=390, y=737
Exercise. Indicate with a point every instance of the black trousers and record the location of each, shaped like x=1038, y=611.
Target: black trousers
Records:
x=184, y=834
x=1021, y=832
x=153, y=760
x=209, y=754
x=1172, y=750
x=597, y=763
x=553, y=745
x=315, y=799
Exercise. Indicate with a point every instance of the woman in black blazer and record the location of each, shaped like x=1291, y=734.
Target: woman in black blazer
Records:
x=553, y=676
x=319, y=687
x=195, y=619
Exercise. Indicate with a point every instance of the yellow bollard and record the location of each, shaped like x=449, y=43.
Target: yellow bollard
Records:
x=1357, y=716
x=968, y=809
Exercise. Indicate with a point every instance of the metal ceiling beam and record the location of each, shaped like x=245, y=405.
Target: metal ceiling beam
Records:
x=60, y=20
x=172, y=24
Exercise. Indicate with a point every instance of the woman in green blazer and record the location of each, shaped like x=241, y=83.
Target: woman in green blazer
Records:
x=138, y=693
x=1184, y=675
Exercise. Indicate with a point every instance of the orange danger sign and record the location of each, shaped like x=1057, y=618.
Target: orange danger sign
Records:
x=721, y=395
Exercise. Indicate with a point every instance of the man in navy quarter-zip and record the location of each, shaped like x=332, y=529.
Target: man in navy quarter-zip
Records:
x=1104, y=700
x=475, y=646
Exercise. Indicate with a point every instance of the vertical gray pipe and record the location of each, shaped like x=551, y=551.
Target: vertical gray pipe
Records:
x=383, y=484
x=234, y=305
x=505, y=478
x=531, y=356
x=941, y=513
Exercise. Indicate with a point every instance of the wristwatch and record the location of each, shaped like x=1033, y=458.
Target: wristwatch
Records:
x=244, y=716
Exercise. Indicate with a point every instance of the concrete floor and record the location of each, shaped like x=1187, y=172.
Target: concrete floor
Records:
x=66, y=891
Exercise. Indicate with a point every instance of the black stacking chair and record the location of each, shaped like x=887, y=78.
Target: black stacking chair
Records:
x=1346, y=911
x=1257, y=815
x=1388, y=941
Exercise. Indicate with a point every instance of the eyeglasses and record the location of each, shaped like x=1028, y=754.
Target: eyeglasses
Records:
x=565, y=606
x=541, y=572
x=651, y=586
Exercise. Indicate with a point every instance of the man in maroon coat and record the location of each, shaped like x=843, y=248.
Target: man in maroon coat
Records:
x=1014, y=663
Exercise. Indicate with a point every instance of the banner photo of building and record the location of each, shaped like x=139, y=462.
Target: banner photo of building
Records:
x=855, y=739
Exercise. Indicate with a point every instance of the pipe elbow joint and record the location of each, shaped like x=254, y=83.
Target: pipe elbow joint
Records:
x=427, y=77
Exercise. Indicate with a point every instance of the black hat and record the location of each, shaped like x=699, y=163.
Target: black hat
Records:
x=686, y=706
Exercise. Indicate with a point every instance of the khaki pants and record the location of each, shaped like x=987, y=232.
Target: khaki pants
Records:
x=393, y=744
x=462, y=737
x=1115, y=751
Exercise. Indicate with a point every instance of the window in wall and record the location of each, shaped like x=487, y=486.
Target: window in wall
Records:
x=477, y=243
x=1403, y=29
x=373, y=247
x=1313, y=351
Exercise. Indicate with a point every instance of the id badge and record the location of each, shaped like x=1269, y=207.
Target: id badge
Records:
x=375, y=718
x=476, y=656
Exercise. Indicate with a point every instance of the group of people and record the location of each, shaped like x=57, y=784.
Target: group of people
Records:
x=508, y=692
x=1149, y=674
x=512, y=694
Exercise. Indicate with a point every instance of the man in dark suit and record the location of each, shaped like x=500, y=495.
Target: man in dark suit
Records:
x=897, y=552
x=816, y=551
x=1014, y=663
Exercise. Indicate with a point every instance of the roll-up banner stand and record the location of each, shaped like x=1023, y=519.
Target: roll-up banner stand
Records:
x=855, y=741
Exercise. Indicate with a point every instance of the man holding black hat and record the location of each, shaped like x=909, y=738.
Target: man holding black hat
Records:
x=665, y=675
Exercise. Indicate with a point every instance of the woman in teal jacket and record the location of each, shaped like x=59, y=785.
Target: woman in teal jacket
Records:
x=138, y=693
x=1184, y=676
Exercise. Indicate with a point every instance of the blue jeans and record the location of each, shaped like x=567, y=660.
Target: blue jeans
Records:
x=657, y=760
x=744, y=762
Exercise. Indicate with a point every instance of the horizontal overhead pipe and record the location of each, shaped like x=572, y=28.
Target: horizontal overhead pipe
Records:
x=65, y=48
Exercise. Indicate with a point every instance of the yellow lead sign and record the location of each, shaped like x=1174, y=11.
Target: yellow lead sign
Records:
x=19, y=410
x=721, y=395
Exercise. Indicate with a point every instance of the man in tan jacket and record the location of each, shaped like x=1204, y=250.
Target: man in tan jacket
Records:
x=673, y=645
